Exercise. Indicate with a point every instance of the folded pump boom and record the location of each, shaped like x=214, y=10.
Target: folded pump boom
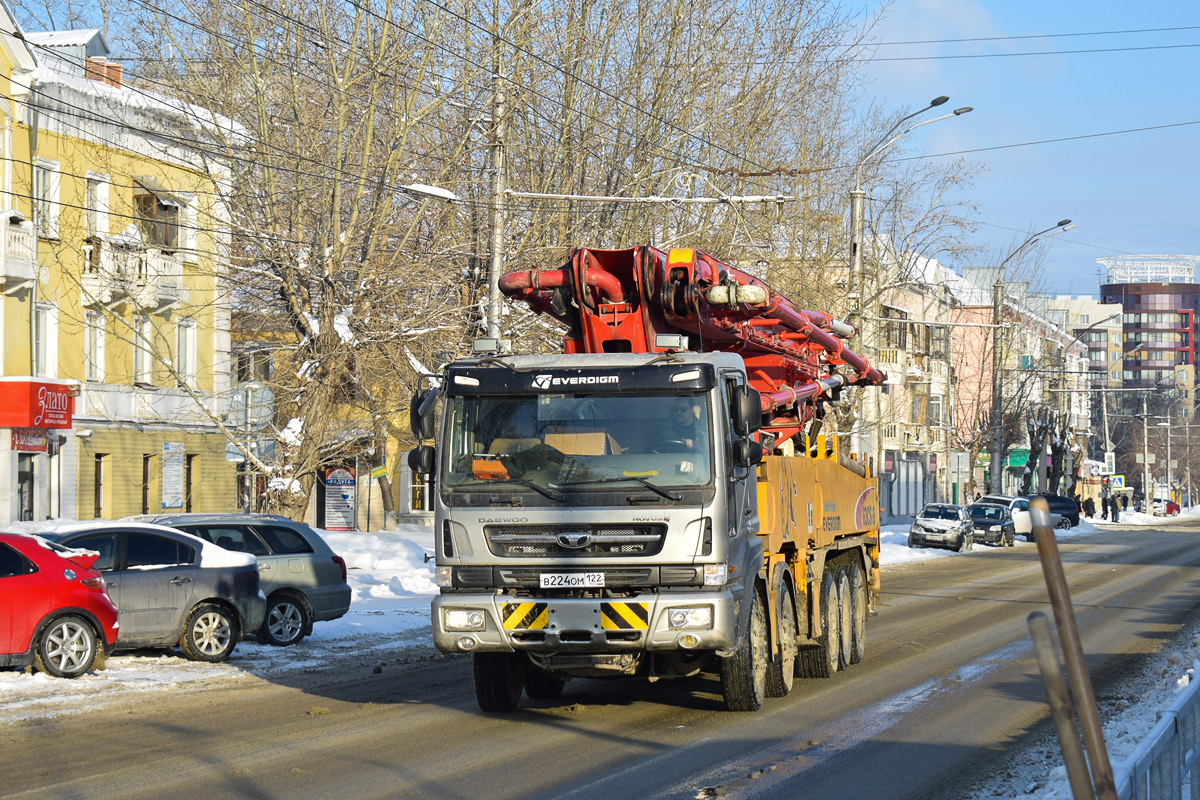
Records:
x=619, y=301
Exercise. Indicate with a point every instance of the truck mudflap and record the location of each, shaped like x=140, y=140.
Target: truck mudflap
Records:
x=584, y=625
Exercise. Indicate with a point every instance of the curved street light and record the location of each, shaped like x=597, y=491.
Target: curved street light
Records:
x=998, y=450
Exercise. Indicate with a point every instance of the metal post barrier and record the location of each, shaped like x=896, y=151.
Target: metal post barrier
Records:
x=1061, y=709
x=1068, y=637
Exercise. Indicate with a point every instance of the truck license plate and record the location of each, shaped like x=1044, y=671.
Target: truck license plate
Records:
x=571, y=580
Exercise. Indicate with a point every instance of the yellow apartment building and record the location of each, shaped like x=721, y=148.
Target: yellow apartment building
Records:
x=115, y=363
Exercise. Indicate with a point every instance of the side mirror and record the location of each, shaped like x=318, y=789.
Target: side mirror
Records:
x=747, y=452
x=421, y=459
x=747, y=411
x=420, y=414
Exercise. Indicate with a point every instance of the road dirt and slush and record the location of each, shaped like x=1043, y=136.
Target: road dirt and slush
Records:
x=948, y=692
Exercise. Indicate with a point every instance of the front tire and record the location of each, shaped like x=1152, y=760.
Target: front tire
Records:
x=744, y=674
x=66, y=648
x=287, y=621
x=781, y=675
x=209, y=634
x=498, y=681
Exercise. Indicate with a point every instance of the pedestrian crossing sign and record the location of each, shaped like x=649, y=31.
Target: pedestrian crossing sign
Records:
x=1118, y=481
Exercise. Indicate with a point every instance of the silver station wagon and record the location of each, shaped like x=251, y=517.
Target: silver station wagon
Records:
x=305, y=581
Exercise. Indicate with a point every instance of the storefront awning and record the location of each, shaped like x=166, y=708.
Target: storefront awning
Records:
x=36, y=403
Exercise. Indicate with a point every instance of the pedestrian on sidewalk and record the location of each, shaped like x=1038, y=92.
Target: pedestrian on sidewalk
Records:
x=1089, y=507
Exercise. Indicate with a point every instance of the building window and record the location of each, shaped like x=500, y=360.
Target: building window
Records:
x=188, y=233
x=46, y=347
x=143, y=340
x=98, y=486
x=97, y=205
x=254, y=365
x=185, y=352
x=156, y=212
x=94, y=355
x=895, y=333
x=45, y=198
x=146, y=484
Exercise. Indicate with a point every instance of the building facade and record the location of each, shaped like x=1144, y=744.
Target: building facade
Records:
x=116, y=245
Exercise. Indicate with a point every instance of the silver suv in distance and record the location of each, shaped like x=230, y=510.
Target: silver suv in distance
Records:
x=305, y=581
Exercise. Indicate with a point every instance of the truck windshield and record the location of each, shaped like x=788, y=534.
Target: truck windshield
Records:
x=579, y=442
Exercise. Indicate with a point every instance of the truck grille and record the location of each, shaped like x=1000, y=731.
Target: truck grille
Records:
x=574, y=541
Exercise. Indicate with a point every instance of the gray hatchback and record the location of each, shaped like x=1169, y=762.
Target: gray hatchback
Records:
x=305, y=581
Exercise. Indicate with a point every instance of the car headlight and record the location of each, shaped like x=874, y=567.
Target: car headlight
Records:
x=698, y=617
x=995, y=529
x=716, y=574
x=463, y=619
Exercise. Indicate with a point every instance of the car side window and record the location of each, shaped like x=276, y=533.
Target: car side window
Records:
x=103, y=543
x=13, y=563
x=283, y=540
x=151, y=550
x=1021, y=505
x=229, y=537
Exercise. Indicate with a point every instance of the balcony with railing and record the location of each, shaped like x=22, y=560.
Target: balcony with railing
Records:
x=105, y=275
x=18, y=262
x=158, y=280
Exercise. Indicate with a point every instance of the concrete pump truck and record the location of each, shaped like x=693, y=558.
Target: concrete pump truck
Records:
x=652, y=502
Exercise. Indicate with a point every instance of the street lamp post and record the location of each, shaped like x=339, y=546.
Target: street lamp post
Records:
x=997, y=457
x=857, y=202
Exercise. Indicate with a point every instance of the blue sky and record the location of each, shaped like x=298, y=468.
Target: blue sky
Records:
x=1132, y=193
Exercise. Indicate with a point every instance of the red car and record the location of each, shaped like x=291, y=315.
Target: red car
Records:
x=55, y=612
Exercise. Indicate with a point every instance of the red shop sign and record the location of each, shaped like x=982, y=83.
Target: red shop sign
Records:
x=35, y=403
x=29, y=440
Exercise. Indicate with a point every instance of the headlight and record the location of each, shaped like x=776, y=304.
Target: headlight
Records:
x=995, y=529
x=444, y=576
x=699, y=617
x=716, y=574
x=463, y=619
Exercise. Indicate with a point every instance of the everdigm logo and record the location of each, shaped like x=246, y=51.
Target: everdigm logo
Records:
x=549, y=381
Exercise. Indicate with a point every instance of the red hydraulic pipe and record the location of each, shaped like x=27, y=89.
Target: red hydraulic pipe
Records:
x=523, y=283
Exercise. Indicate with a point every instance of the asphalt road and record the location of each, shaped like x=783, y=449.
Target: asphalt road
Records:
x=948, y=688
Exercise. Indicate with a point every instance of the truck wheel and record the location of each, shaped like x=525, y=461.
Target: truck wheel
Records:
x=858, y=613
x=542, y=685
x=744, y=674
x=844, y=610
x=822, y=661
x=781, y=675
x=498, y=680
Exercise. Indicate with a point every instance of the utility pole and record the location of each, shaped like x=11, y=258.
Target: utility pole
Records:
x=499, y=179
x=1147, y=492
x=997, y=458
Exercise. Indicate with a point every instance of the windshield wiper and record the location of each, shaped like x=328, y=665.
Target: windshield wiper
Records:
x=652, y=487
x=542, y=490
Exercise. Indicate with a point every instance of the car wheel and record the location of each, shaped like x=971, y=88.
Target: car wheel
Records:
x=1063, y=524
x=964, y=545
x=286, y=621
x=209, y=634
x=66, y=648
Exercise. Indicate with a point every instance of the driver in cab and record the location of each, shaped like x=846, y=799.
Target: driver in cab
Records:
x=684, y=423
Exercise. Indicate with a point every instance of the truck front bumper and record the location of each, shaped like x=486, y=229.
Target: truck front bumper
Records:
x=591, y=625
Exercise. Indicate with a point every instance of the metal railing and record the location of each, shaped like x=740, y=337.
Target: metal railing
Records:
x=1166, y=759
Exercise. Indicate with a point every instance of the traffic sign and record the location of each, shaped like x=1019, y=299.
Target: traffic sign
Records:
x=1118, y=481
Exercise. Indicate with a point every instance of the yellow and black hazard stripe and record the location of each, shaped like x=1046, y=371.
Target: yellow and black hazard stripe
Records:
x=625, y=616
x=525, y=616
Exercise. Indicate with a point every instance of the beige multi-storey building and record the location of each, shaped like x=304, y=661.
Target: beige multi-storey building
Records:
x=115, y=317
